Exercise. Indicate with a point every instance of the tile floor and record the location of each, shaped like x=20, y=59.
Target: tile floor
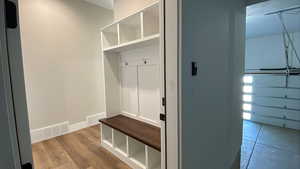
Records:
x=269, y=147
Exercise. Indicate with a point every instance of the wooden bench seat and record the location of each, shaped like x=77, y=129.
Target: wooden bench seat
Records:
x=141, y=131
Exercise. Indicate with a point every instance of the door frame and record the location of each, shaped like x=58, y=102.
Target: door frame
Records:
x=14, y=90
x=5, y=91
x=20, y=121
x=172, y=9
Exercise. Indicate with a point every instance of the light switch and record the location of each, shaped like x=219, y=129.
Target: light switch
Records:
x=194, y=68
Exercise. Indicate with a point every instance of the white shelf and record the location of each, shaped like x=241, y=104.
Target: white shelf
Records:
x=134, y=44
x=139, y=11
x=154, y=158
x=107, y=135
x=120, y=142
x=110, y=36
x=137, y=152
x=151, y=21
x=134, y=31
x=130, y=29
x=138, y=158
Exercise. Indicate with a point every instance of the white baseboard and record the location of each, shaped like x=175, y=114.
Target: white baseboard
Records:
x=59, y=129
x=48, y=132
x=94, y=119
x=77, y=126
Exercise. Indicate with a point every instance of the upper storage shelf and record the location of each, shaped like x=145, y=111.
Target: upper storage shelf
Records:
x=110, y=36
x=140, y=28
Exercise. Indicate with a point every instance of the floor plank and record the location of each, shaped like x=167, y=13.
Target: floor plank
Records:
x=41, y=156
x=56, y=153
x=78, y=150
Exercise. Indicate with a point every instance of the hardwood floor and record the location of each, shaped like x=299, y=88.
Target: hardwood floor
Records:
x=78, y=150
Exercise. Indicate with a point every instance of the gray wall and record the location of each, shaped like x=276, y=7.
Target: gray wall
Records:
x=213, y=34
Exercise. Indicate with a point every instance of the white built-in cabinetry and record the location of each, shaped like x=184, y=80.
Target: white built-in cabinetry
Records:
x=134, y=31
x=131, y=54
x=133, y=84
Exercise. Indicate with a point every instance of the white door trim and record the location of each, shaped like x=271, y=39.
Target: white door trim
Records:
x=172, y=83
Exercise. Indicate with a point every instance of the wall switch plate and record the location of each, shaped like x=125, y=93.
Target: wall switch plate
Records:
x=194, y=68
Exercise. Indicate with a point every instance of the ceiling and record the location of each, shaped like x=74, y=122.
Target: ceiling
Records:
x=259, y=24
x=103, y=3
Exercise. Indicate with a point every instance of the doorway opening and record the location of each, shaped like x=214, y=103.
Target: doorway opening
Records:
x=271, y=99
x=94, y=81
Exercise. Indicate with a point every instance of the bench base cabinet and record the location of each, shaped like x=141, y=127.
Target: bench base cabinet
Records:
x=131, y=151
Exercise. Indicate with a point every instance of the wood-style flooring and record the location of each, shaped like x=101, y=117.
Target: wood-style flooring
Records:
x=77, y=150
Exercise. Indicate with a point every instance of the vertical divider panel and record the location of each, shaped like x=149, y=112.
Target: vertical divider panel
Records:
x=147, y=157
x=112, y=137
x=118, y=31
x=101, y=132
x=127, y=145
x=138, y=91
x=142, y=25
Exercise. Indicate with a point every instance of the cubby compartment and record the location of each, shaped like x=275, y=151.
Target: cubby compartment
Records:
x=120, y=142
x=110, y=36
x=151, y=21
x=154, y=158
x=130, y=29
x=107, y=134
x=137, y=152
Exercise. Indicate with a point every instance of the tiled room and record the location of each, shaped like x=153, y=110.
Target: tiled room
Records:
x=269, y=147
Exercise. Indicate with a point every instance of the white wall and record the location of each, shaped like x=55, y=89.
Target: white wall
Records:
x=123, y=8
x=62, y=59
x=268, y=52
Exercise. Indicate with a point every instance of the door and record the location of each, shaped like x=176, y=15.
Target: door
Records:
x=163, y=86
x=9, y=154
x=13, y=85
